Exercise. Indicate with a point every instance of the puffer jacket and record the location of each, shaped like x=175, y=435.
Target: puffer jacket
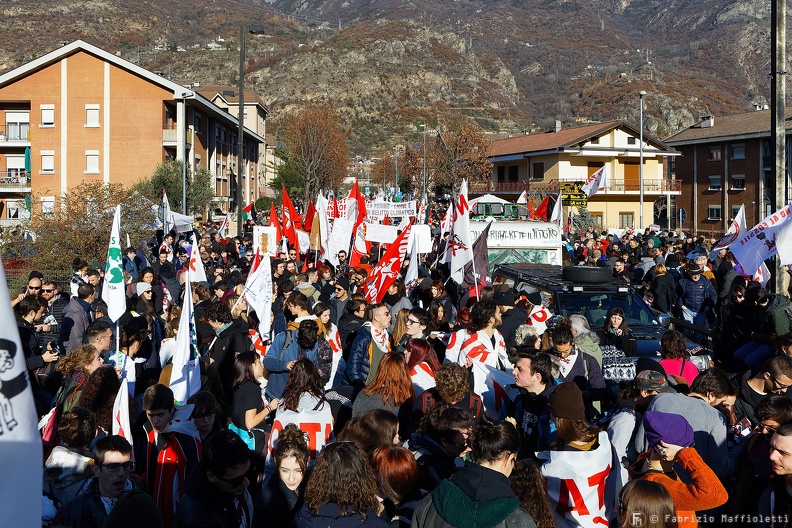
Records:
x=67, y=474
x=474, y=497
x=697, y=295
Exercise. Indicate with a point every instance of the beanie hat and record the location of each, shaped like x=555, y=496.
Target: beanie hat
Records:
x=670, y=428
x=505, y=298
x=566, y=401
x=142, y=287
x=343, y=281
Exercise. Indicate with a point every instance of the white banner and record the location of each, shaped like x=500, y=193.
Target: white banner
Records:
x=113, y=288
x=264, y=238
x=377, y=210
x=759, y=243
x=519, y=234
x=423, y=234
x=342, y=233
x=398, y=209
x=305, y=240
x=385, y=234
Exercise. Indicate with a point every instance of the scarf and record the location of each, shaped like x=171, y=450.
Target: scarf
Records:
x=565, y=364
x=380, y=337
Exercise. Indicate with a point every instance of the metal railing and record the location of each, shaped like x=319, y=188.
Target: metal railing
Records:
x=650, y=185
x=15, y=133
x=14, y=179
x=512, y=187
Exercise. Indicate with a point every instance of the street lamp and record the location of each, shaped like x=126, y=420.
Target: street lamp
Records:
x=424, y=162
x=241, y=170
x=396, y=176
x=640, y=166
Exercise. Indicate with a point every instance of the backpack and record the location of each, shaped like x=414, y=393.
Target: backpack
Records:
x=428, y=401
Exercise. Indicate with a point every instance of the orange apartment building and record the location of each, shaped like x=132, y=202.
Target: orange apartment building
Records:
x=81, y=113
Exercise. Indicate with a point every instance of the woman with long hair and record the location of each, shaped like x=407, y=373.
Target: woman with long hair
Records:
x=76, y=368
x=439, y=295
x=582, y=453
x=99, y=394
x=478, y=494
x=438, y=318
x=281, y=497
x=396, y=472
x=399, y=328
x=616, y=332
x=341, y=491
x=333, y=338
x=673, y=350
x=391, y=390
x=663, y=289
x=248, y=409
x=527, y=483
x=371, y=429
x=646, y=504
x=421, y=363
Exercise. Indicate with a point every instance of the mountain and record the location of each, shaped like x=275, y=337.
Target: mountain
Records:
x=388, y=65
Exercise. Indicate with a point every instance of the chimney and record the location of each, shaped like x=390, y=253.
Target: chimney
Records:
x=707, y=121
x=557, y=126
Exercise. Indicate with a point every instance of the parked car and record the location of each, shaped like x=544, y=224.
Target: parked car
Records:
x=592, y=292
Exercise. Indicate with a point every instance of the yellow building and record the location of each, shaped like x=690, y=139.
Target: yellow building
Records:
x=565, y=158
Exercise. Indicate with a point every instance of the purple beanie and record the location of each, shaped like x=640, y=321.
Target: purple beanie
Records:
x=670, y=428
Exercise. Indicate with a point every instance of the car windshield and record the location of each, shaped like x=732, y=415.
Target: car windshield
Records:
x=595, y=306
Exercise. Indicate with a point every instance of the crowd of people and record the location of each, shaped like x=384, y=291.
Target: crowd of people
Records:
x=357, y=413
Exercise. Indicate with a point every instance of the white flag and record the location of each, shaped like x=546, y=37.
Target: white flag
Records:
x=185, y=377
x=459, y=249
x=411, y=275
x=784, y=244
x=762, y=275
x=596, y=182
x=167, y=216
x=197, y=271
x=325, y=232
x=223, y=231
x=759, y=243
x=20, y=442
x=556, y=216
x=258, y=292
x=113, y=288
x=736, y=229
x=121, y=421
x=523, y=199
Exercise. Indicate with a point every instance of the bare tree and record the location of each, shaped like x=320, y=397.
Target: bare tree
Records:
x=460, y=152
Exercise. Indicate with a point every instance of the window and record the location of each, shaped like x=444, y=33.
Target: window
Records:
x=595, y=141
x=631, y=140
x=15, y=209
x=17, y=125
x=501, y=173
x=738, y=182
x=47, y=116
x=671, y=165
x=735, y=210
x=47, y=205
x=738, y=151
x=91, y=162
x=197, y=123
x=597, y=219
x=626, y=219
x=714, y=183
x=512, y=173
x=47, y=162
x=715, y=154
x=91, y=116
x=538, y=171
x=714, y=212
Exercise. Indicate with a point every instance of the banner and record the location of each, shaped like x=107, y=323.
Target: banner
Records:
x=596, y=182
x=381, y=233
x=121, y=423
x=258, y=292
x=519, y=234
x=20, y=442
x=342, y=233
x=328, y=242
x=305, y=240
x=759, y=243
x=398, y=209
x=736, y=228
x=265, y=239
x=422, y=234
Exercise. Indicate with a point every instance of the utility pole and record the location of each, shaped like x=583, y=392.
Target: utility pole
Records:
x=778, y=116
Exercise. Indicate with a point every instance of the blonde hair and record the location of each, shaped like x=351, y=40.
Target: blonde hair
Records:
x=80, y=357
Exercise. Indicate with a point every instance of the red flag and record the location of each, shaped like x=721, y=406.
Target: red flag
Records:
x=359, y=246
x=361, y=204
x=309, y=214
x=289, y=216
x=335, y=207
x=386, y=220
x=388, y=268
x=531, y=206
x=274, y=222
x=542, y=211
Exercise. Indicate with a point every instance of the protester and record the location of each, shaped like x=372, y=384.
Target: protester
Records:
x=281, y=496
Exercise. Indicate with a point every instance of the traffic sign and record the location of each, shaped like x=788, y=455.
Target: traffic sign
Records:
x=681, y=215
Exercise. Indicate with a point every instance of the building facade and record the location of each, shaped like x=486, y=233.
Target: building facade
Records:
x=81, y=114
x=562, y=160
x=726, y=162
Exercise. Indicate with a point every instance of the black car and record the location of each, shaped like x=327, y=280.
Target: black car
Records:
x=592, y=293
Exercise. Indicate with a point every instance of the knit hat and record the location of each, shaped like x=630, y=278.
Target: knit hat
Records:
x=343, y=281
x=505, y=298
x=142, y=287
x=566, y=401
x=651, y=380
x=669, y=428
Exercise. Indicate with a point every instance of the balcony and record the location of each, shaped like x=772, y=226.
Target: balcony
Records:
x=651, y=186
x=14, y=182
x=15, y=135
x=488, y=186
x=170, y=137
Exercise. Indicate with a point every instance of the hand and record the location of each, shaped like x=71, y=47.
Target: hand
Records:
x=273, y=404
x=290, y=365
x=49, y=356
x=618, y=331
x=43, y=328
x=668, y=452
x=468, y=362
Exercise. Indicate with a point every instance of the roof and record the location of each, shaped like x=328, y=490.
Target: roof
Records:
x=564, y=138
x=179, y=91
x=746, y=124
x=211, y=90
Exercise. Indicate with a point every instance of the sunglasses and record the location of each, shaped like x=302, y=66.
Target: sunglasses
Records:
x=234, y=482
x=34, y=287
x=113, y=468
x=760, y=426
x=47, y=291
x=339, y=289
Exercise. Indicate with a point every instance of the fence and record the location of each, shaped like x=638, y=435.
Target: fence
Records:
x=17, y=279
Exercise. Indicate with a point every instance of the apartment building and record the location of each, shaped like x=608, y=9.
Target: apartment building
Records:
x=563, y=159
x=81, y=113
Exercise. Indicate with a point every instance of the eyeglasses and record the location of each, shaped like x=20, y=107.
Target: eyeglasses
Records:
x=203, y=416
x=113, y=468
x=760, y=426
x=412, y=321
x=234, y=482
x=44, y=290
x=780, y=387
x=34, y=287
x=339, y=288
x=384, y=314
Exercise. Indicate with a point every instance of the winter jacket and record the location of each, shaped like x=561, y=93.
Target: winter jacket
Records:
x=624, y=342
x=330, y=516
x=337, y=309
x=396, y=307
x=67, y=474
x=230, y=342
x=204, y=506
x=278, y=358
x=776, y=320
x=348, y=326
x=698, y=295
x=512, y=320
x=276, y=505
x=435, y=464
x=76, y=318
x=362, y=357
x=664, y=290
x=532, y=414
x=474, y=497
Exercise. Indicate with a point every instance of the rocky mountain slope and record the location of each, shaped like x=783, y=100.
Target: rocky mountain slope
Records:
x=388, y=65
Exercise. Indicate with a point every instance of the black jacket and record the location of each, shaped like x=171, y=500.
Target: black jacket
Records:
x=229, y=343
x=204, y=506
x=348, y=326
x=276, y=505
x=512, y=320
